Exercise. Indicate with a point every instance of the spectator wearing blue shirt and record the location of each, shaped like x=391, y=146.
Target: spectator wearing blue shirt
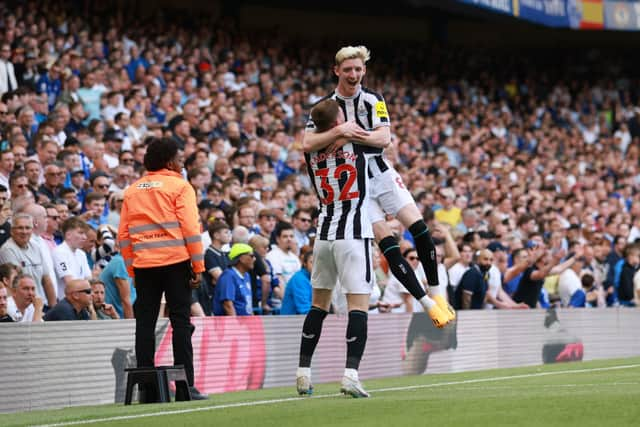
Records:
x=119, y=289
x=232, y=295
x=51, y=85
x=297, y=294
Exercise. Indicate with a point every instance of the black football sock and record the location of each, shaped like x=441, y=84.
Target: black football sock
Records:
x=426, y=250
x=311, y=335
x=356, y=338
x=400, y=267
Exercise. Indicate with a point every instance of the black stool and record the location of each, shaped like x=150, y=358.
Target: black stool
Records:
x=156, y=383
x=179, y=376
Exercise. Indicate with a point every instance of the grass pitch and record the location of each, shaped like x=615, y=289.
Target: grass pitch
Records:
x=584, y=394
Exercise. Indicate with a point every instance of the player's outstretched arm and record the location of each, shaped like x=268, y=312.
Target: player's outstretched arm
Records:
x=378, y=138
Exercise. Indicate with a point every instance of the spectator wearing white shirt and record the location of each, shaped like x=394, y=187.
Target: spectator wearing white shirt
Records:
x=24, y=305
x=570, y=285
x=69, y=258
x=283, y=258
x=458, y=269
x=7, y=165
x=8, y=80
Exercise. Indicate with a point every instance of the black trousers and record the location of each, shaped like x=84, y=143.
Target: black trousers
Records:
x=173, y=280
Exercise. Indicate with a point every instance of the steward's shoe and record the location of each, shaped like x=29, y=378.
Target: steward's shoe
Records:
x=353, y=388
x=438, y=316
x=304, y=386
x=196, y=395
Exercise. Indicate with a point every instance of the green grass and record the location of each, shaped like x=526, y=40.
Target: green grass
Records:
x=576, y=394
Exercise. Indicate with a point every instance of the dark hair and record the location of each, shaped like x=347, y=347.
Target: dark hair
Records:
x=160, y=152
x=408, y=251
x=282, y=226
x=324, y=114
x=6, y=269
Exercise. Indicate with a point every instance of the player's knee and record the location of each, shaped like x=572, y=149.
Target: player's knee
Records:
x=358, y=302
x=381, y=230
x=409, y=214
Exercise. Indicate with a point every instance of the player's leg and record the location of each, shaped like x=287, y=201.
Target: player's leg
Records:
x=410, y=217
x=404, y=273
x=393, y=198
x=355, y=270
x=323, y=280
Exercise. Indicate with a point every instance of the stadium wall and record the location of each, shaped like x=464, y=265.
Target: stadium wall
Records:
x=60, y=364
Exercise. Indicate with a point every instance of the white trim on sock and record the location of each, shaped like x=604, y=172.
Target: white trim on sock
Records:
x=427, y=302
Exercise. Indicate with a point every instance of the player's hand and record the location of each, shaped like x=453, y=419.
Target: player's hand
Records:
x=196, y=279
x=337, y=144
x=351, y=130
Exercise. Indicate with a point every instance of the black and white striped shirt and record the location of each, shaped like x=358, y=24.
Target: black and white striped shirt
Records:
x=341, y=182
x=369, y=111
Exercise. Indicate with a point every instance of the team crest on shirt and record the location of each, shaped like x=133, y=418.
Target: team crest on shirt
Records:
x=381, y=110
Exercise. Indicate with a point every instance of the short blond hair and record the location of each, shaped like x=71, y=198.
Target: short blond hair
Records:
x=352, y=52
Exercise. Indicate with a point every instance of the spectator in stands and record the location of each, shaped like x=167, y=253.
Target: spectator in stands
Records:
x=448, y=213
x=103, y=311
x=265, y=286
x=53, y=224
x=624, y=272
x=21, y=251
x=69, y=259
x=458, y=269
x=53, y=180
x=283, y=258
x=4, y=316
x=8, y=80
x=297, y=295
x=5, y=220
x=472, y=289
x=247, y=218
x=119, y=289
x=95, y=213
x=24, y=305
x=613, y=258
x=233, y=291
x=7, y=165
x=216, y=261
x=542, y=263
x=76, y=304
x=267, y=223
x=8, y=273
x=301, y=222
x=570, y=286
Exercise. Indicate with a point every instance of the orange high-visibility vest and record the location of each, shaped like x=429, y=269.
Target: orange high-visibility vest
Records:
x=159, y=223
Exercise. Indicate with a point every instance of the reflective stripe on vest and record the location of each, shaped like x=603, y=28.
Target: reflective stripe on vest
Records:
x=151, y=227
x=160, y=244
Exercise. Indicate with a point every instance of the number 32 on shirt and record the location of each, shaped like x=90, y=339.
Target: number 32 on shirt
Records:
x=345, y=193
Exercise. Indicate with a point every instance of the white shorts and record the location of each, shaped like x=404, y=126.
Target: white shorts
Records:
x=349, y=261
x=388, y=195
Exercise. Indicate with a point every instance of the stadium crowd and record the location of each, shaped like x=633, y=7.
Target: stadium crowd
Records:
x=527, y=171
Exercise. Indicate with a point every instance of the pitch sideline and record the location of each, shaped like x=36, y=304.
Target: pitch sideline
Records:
x=293, y=399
